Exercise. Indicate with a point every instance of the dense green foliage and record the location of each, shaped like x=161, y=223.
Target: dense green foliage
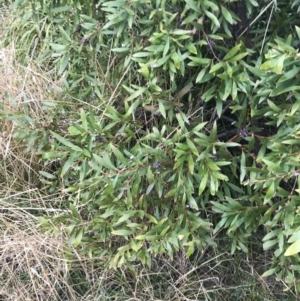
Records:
x=187, y=126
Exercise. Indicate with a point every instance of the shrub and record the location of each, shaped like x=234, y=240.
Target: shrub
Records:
x=187, y=127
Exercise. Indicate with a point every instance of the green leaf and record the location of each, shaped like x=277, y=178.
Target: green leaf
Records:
x=242, y=246
x=213, y=133
x=135, y=247
x=196, y=61
x=159, y=62
x=220, y=224
x=44, y=222
x=152, y=219
x=68, y=164
x=186, y=89
x=109, y=212
x=285, y=46
x=191, y=164
x=191, y=47
x=279, y=64
x=253, y=2
x=234, y=90
x=192, y=5
x=118, y=154
x=272, y=234
x=229, y=70
x=58, y=47
x=212, y=166
x=190, y=250
x=200, y=126
x=75, y=130
x=180, y=121
x=294, y=237
x=156, y=48
x=269, y=244
x=219, y=107
x=220, y=206
x=124, y=217
x=293, y=249
x=267, y=65
x=66, y=142
x=200, y=75
x=167, y=47
x=298, y=31
x=83, y=170
x=273, y=106
x=47, y=175
x=141, y=54
x=83, y=120
x=212, y=17
x=144, y=70
x=213, y=185
x=74, y=211
x=104, y=161
x=269, y=272
x=288, y=75
x=192, y=147
x=180, y=32
x=273, y=166
x=122, y=232
x=133, y=107
x=227, y=144
x=120, y=49
x=238, y=57
x=219, y=176
x=60, y=9
x=87, y=153
x=203, y=184
x=236, y=205
x=270, y=193
x=216, y=67
x=136, y=94
x=64, y=63
x=232, y=52
x=243, y=167
x=227, y=15
x=77, y=239
x=176, y=59
x=150, y=176
x=162, y=109
x=283, y=89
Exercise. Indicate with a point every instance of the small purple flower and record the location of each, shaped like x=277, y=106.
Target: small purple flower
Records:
x=244, y=133
x=217, y=158
x=157, y=165
x=211, y=43
x=51, y=139
x=98, y=138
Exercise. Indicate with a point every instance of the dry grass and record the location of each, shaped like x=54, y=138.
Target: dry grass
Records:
x=33, y=265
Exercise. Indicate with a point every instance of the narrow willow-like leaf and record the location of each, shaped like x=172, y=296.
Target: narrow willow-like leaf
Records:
x=66, y=142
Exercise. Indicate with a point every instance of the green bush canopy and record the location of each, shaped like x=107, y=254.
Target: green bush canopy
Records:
x=179, y=124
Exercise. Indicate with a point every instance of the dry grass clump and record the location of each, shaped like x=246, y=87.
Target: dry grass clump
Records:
x=32, y=265
x=24, y=85
x=26, y=94
x=36, y=265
